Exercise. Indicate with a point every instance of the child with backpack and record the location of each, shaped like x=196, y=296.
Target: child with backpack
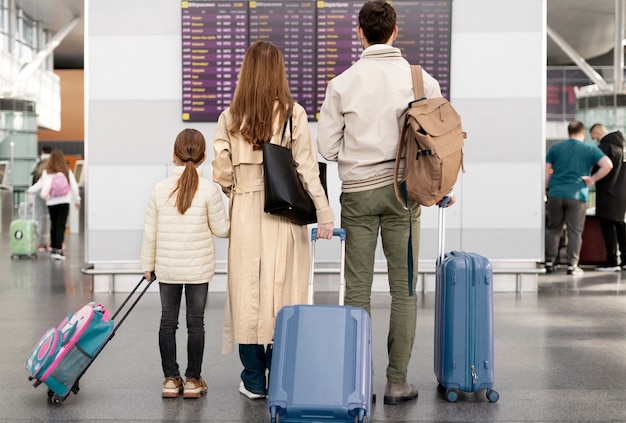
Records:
x=184, y=212
x=57, y=185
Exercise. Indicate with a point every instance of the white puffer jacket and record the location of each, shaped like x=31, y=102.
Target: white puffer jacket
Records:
x=179, y=248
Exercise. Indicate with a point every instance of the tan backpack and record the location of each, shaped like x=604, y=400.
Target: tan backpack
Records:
x=433, y=137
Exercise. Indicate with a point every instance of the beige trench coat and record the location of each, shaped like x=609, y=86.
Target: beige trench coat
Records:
x=268, y=256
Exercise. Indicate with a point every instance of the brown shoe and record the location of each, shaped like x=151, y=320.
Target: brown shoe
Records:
x=194, y=388
x=396, y=393
x=172, y=387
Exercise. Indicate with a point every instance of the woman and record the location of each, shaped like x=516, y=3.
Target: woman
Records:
x=58, y=202
x=268, y=256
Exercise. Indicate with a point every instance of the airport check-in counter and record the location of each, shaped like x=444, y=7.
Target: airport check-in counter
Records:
x=6, y=208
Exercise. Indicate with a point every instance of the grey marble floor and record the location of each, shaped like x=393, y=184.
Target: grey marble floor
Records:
x=560, y=354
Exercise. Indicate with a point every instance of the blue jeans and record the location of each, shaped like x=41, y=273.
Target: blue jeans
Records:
x=195, y=300
x=256, y=359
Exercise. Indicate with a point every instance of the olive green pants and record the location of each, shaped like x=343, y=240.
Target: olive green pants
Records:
x=363, y=214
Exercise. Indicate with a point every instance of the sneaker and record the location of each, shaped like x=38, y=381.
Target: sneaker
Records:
x=194, y=388
x=607, y=269
x=251, y=395
x=172, y=387
x=574, y=270
x=549, y=267
x=57, y=255
x=42, y=247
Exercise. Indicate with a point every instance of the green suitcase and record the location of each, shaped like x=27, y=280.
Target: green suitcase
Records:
x=23, y=238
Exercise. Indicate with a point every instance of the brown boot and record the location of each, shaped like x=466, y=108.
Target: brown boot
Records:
x=396, y=393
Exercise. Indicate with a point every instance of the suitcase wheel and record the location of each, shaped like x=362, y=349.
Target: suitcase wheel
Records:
x=75, y=388
x=360, y=418
x=492, y=395
x=452, y=395
x=274, y=414
x=55, y=399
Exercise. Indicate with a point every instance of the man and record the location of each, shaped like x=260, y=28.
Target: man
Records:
x=568, y=169
x=611, y=196
x=359, y=127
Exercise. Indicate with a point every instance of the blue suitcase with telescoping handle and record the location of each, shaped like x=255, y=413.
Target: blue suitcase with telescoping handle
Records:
x=322, y=359
x=463, y=322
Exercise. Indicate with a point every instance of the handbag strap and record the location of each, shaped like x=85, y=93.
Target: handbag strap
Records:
x=282, y=137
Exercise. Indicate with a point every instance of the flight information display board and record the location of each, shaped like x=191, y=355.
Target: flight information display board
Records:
x=317, y=38
x=290, y=25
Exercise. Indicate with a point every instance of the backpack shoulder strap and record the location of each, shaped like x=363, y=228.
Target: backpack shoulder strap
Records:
x=396, y=170
x=418, y=82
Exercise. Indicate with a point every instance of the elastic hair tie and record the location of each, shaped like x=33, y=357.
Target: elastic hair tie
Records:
x=189, y=159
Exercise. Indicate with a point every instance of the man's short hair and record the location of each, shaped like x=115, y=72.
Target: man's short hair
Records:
x=594, y=126
x=377, y=20
x=575, y=127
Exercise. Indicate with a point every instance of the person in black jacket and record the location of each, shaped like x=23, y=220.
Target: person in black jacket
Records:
x=611, y=197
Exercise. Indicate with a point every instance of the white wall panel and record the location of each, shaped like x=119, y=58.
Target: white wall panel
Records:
x=497, y=16
x=123, y=17
x=498, y=196
x=496, y=65
x=501, y=129
x=135, y=67
x=138, y=131
x=118, y=195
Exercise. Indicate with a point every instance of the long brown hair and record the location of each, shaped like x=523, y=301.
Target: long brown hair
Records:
x=189, y=149
x=262, y=82
x=56, y=163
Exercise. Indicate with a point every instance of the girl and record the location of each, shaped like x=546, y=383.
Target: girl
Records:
x=184, y=212
x=58, y=202
x=268, y=256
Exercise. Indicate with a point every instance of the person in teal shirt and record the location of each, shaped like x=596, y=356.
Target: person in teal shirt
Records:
x=568, y=178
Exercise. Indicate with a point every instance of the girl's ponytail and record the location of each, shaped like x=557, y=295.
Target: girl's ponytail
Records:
x=189, y=149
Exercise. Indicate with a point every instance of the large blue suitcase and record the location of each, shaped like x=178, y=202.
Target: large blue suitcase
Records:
x=321, y=361
x=463, y=322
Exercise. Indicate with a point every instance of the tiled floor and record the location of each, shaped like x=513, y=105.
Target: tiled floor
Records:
x=560, y=355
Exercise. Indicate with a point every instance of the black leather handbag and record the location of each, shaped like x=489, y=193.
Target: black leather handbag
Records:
x=284, y=194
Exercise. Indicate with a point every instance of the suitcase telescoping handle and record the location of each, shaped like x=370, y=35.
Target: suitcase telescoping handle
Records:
x=132, y=306
x=442, y=230
x=341, y=233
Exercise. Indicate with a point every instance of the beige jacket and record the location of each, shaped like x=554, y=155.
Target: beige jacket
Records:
x=268, y=256
x=361, y=117
x=179, y=248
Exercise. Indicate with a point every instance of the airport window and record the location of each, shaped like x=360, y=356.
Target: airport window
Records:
x=4, y=25
x=26, y=41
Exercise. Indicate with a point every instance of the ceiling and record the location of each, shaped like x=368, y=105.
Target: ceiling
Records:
x=587, y=26
x=56, y=15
